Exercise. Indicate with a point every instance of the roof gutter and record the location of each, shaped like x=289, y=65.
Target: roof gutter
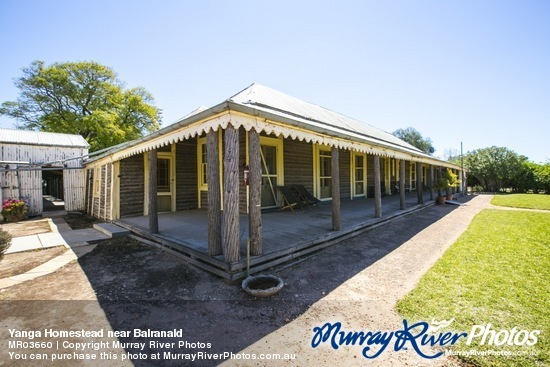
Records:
x=229, y=106
x=175, y=126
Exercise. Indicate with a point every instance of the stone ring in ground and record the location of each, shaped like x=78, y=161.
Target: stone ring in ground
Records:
x=262, y=285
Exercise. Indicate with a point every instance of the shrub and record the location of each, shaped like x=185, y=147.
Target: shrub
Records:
x=14, y=210
x=5, y=242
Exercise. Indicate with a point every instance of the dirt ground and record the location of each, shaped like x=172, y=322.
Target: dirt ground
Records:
x=21, y=262
x=124, y=285
x=80, y=221
x=27, y=227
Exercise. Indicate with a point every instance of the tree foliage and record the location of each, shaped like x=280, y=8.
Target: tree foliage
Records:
x=498, y=168
x=83, y=98
x=415, y=138
x=540, y=177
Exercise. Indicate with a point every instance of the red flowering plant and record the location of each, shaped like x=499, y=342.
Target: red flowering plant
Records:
x=14, y=210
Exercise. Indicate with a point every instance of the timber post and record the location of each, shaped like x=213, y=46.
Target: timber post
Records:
x=153, y=212
x=419, y=185
x=214, y=200
x=439, y=175
x=335, y=186
x=431, y=182
x=255, y=192
x=402, y=205
x=230, y=217
x=377, y=189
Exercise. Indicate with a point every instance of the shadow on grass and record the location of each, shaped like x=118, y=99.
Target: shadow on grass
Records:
x=140, y=287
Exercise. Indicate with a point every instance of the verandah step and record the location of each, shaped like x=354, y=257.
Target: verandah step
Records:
x=111, y=230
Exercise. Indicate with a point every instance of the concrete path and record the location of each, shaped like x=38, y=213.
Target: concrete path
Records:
x=366, y=302
x=36, y=242
x=76, y=242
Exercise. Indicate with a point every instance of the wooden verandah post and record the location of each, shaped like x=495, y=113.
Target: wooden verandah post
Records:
x=214, y=201
x=255, y=188
x=152, y=208
x=230, y=217
x=402, y=184
x=439, y=175
x=419, y=185
x=335, y=186
x=377, y=189
x=431, y=182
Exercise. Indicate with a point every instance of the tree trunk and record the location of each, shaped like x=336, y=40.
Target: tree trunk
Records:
x=230, y=222
x=214, y=201
x=377, y=189
x=335, y=185
x=255, y=192
x=153, y=214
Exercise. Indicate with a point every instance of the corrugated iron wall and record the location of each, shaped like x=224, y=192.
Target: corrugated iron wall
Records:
x=74, y=185
x=24, y=181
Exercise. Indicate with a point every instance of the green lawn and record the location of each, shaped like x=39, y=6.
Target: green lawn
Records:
x=528, y=201
x=497, y=272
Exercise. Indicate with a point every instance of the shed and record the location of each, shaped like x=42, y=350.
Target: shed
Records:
x=34, y=165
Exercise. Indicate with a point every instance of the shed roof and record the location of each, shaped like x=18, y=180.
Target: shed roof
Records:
x=29, y=137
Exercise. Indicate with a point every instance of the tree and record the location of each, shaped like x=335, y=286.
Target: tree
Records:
x=83, y=98
x=495, y=167
x=415, y=138
x=541, y=174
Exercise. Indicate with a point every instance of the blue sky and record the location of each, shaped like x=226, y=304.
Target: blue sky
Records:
x=470, y=71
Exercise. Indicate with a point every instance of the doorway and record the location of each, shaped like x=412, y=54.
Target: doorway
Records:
x=165, y=185
x=359, y=174
x=322, y=172
x=52, y=189
x=271, y=152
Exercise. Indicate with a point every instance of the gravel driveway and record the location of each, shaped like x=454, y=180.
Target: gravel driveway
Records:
x=126, y=286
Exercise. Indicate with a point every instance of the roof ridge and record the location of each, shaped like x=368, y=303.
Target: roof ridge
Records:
x=312, y=111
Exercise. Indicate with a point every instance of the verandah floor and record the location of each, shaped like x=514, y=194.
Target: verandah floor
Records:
x=286, y=235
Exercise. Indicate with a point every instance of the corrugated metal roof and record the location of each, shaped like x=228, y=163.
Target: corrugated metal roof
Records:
x=270, y=100
x=42, y=138
x=304, y=120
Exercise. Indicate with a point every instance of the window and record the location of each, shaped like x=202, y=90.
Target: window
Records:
x=163, y=175
x=202, y=160
x=97, y=181
x=204, y=167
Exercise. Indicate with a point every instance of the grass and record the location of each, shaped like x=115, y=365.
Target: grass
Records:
x=497, y=272
x=526, y=201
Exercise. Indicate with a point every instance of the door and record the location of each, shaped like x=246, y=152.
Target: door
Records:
x=359, y=174
x=164, y=184
x=269, y=175
x=325, y=174
x=412, y=178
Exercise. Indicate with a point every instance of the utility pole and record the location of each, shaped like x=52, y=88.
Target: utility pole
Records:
x=464, y=187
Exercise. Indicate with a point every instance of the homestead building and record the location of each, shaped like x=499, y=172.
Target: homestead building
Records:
x=214, y=181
